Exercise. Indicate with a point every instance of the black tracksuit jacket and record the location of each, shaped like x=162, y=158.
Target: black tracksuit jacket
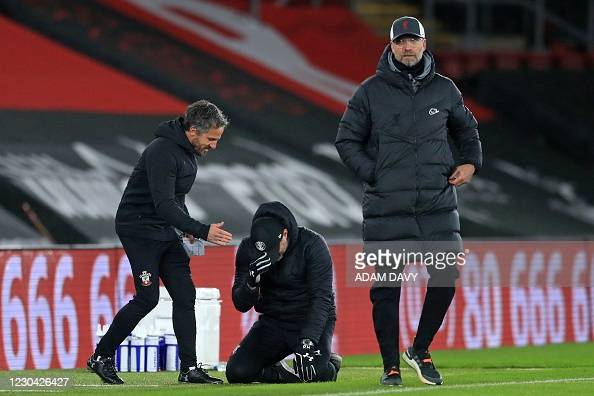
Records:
x=296, y=293
x=154, y=199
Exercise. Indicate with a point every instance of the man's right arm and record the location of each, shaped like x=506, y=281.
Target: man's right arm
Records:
x=353, y=133
x=244, y=297
x=161, y=170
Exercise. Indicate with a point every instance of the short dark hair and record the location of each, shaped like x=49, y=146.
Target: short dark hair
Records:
x=204, y=116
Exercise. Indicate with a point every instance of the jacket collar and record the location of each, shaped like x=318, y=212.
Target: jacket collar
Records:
x=390, y=73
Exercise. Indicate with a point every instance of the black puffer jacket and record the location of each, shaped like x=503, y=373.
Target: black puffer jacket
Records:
x=393, y=135
x=297, y=291
x=154, y=199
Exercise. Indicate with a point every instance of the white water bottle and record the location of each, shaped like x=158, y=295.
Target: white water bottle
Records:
x=99, y=333
x=123, y=355
x=101, y=330
x=152, y=352
x=137, y=358
x=171, y=352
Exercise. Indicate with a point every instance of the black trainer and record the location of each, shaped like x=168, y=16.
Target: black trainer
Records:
x=336, y=361
x=422, y=363
x=391, y=377
x=104, y=367
x=197, y=375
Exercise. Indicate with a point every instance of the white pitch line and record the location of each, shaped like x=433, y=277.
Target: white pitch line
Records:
x=118, y=386
x=30, y=390
x=459, y=370
x=460, y=386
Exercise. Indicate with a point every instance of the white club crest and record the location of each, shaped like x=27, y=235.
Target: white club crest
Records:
x=261, y=246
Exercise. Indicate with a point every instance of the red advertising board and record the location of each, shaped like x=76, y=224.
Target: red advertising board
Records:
x=52, y=301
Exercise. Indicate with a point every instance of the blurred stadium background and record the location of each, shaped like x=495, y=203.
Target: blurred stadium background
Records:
x=84, y=83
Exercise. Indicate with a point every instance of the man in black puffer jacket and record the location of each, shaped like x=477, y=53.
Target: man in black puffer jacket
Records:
x=285, y=273
x=394, y=136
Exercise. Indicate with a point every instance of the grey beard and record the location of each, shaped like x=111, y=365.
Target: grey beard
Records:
x=410, y=62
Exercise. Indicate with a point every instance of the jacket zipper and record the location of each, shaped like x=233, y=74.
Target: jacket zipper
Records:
x=416, y=156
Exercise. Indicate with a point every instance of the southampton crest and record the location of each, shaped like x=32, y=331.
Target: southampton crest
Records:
x=261, y=246
x=145, y=278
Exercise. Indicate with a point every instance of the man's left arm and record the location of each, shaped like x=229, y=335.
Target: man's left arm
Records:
x=463, y=128
x=319, y=280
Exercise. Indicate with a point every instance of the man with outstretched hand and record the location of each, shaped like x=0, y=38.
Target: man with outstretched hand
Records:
x=151, y=209
x=285, y=273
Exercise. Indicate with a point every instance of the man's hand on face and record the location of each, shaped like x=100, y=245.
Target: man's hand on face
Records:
x=462, y=174
x=306, y=355
x=217, y=235
x=257, y=268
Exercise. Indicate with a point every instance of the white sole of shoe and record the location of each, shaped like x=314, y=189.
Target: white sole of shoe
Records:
x=415, y=366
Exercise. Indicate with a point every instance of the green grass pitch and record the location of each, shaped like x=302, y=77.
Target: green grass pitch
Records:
x=566, y=369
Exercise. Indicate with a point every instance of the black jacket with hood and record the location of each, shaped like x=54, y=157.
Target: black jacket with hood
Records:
x=394, y=136
x=297, y=291
x=154, y=199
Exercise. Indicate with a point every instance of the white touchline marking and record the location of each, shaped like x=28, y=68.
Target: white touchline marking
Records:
x=119, y=386
x=464, y=370
x=460, y=386
x=30, y=390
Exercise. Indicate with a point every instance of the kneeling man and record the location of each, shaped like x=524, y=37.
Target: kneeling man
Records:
x=285, y=272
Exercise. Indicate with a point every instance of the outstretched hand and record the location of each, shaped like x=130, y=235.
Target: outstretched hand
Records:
x=217, y=235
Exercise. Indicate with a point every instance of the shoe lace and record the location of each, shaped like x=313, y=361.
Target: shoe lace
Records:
x=425, y=360
x=393, y=371
x=109, y=365
x=198, y=368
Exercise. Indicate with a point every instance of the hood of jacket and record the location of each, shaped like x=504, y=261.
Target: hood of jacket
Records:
x=280, y=211
x=387, y=70
x=174, y=130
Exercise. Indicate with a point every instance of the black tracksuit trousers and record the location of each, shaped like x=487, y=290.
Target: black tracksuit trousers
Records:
x=386, y=323
x=151, y=260
x=266, y=344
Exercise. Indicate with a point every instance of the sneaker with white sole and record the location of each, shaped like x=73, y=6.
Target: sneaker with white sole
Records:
x=422, y=363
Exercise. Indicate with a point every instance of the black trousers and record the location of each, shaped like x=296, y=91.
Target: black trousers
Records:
x=386, y=310
x=151, y=260
x=266, y=344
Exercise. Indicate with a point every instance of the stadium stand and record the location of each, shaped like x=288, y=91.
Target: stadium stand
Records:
x=272, y=113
